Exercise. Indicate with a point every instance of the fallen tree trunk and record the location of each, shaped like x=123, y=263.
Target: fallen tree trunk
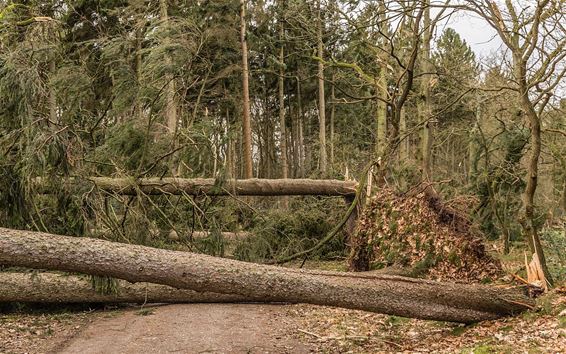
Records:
x=210, y=186
x=60, y=288
x=392, y=295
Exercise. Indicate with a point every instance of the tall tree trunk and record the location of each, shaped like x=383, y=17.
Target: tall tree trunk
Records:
x=529, y=218
x=381, y=115
x=404, y=148
x=246, y=119
x=52, y=97
x=321, y=99
x=378, y=293
x=332, y=117
x=425, y=109
x=301, y=123
x=139, y=103
x=281, y=91
x=170, y=106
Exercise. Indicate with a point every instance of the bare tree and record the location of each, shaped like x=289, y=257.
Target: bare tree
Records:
x=535, y=36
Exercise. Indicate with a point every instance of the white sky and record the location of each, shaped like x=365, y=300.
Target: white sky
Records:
x=475, y=31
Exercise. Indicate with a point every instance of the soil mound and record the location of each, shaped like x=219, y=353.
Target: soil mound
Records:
x=422, y=234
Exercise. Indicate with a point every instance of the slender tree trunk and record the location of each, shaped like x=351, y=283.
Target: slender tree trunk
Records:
x=246, y=119
x=281, y=91
x=378, y=293
x=404, y=147
x=473, y=149
x=321, y=99
x=301, y=123
x=381, y=116
x=332, y=117
x=170, y=106
x=139, y=103
x=295, y=139
x=425, y=109
x=52, y=97
x=529, y=217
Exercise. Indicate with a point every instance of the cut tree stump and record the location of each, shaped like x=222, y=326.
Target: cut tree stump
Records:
x=392, y=295
x=210, y=186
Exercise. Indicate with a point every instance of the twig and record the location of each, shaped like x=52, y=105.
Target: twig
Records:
x=309, y=333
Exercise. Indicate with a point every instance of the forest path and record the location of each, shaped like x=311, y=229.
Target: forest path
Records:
x=192, y=328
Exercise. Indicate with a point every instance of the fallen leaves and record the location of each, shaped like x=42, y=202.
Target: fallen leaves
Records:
x=416, y=233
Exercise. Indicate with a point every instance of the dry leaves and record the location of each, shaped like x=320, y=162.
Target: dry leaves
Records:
x=415, y=232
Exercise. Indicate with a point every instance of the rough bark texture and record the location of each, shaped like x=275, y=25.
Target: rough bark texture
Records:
x=209, y=186
x=246, y=120
x=384, y=294
x=424, y=106
x=60, y=288
x=321, y=98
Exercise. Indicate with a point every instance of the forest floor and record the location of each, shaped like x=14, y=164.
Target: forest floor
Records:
x=260, y=328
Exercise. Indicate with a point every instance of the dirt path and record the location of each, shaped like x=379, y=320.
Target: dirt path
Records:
x=193, y=328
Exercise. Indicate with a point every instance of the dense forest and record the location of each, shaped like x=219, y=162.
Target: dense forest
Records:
x=378, y=137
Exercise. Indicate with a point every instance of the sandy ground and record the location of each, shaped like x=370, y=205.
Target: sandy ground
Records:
x=192, y=328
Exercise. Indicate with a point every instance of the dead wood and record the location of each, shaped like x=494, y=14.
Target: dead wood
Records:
x=387, y=294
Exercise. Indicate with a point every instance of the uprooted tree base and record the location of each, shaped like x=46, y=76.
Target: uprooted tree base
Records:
x=423, y=234
x=393, y=295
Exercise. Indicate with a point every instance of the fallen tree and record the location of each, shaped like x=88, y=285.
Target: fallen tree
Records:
x=60, y=288
x=210, y=186
x=392, y=295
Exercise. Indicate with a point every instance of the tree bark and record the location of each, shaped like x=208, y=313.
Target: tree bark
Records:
x=60, y=288
x=392, y=295
x=332, y=118
x=321, y=101
x=246, y=120
x=300, y=123
x=209, y=186
x=281, y=95
x=403, y=133
x=425, y=105
x=170, y=105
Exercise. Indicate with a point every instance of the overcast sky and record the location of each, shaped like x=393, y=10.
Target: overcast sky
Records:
x=478, y=34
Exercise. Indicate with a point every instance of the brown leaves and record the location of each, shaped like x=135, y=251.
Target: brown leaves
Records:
x=421, y=233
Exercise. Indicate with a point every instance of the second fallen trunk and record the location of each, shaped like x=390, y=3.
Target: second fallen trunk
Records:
x=380, y=293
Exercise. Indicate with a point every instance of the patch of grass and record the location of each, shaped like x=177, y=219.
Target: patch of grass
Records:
x=506, y=329
x=145, y=312
x=459, y=330
x=393, y=321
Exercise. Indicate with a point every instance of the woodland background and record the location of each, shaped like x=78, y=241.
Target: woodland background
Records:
x=279, y=89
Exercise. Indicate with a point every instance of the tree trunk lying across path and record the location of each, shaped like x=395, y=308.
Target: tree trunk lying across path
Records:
x=392, y=295
x=59, y=288
x=209, y=186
